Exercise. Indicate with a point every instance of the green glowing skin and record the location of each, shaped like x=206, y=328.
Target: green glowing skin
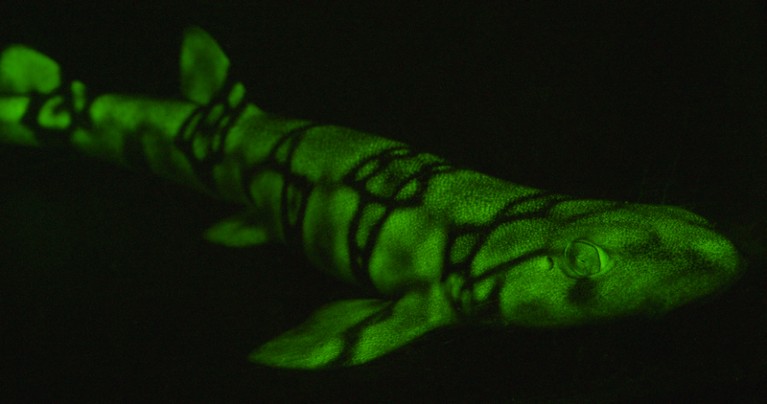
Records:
x=441, y=245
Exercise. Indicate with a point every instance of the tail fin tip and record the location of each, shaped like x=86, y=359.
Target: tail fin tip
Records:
x=24, y=70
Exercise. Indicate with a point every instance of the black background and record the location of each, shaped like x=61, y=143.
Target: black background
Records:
x=108, y=291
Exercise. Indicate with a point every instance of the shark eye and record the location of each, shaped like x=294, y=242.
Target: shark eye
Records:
x=585, y=259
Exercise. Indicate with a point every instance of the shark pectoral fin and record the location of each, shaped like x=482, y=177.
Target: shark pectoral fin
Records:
x=204, y=66
x=351, y=332
x=241, y=230
x=24, y=70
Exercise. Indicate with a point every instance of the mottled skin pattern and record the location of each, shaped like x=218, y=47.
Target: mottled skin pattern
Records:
x=440, y=244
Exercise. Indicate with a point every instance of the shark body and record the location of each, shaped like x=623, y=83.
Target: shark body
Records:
x=439, y=244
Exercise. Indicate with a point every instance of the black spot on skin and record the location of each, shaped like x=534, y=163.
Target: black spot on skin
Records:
x=582, y=292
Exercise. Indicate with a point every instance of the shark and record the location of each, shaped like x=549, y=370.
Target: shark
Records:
x=435, y=244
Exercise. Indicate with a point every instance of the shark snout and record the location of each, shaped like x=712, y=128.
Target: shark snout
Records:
x=717, y=252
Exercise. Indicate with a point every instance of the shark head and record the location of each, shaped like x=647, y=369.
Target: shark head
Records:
x=589, y=260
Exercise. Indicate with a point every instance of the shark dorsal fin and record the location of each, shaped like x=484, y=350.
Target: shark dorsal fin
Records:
x=24, y=70
x=204, y=66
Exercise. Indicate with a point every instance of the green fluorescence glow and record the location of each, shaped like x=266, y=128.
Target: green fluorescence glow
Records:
x=203, y=67
x=438, y=245
x=24, y=70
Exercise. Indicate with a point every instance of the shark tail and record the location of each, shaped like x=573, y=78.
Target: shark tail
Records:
x=33, y=99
